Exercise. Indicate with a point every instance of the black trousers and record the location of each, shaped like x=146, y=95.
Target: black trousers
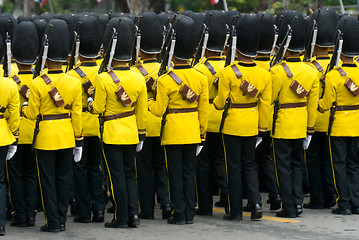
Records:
x=55, y=177
x=289, y=160
x=88, y=179
x=23, y=183
x=319, y=170
x=344, y=152
x=120, y=162
x=152, y=176
x=210, y=166
x=181, y=166
x=3, y=153
x=240, y=153
x=265, y=164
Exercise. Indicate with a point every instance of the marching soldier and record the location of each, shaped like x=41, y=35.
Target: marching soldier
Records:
x=212, y=155
x=87, y=172
x=121, y=98
x=264, y=153
x=9, y=129
x=322, y=191
x=22, y=167
x=295, y=95
x=150, y=161
x=55, y=101
x=341, y=96
x=182, y=95
x=244, y=93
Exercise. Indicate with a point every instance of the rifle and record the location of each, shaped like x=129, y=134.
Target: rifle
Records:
x=276, y=34
x=36, y=131
x=75, y=49
x=7, y=53
x=107, y=59
x=334, y=61
x=167, y=37
x=231, y=53
x=309, y=49
x=224, y=114
x=275, y=115
x=202, y=44
x=333, y=109
x=285, y=44
x=40, y=64
x=136, y=46
x=102, y=123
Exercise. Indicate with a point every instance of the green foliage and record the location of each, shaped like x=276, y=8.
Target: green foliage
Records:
x=67, y=6
x=8, y=6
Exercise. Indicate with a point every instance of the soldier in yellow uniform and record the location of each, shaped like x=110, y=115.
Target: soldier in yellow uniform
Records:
x=55, y=100
x=151, y=168
x=210, y=162
x=22, y=167
x=264, y=153
x=295, y=88
x=121, y=97
x=322, y=192
x=9, y=130
x=248, y=90
x=87, y=172
x=182, y=94
x=342, y=90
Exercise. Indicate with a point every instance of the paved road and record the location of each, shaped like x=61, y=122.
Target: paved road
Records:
x=313, y=224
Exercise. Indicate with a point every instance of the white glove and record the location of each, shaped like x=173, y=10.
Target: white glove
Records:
x=139, y=146
x=306, y=141
x=199, y=149
x=11, y=152
x=25, y=104
x=77, y=152
x=90, y=99
x=259, y=140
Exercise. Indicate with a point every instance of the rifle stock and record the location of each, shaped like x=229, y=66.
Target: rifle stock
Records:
x=74, y=49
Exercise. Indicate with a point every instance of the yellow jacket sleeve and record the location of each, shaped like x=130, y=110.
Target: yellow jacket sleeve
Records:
x=276, y=83
x=312, y=103
x=33, y=109
x=99, y=105
x=223, y=91
x=76, y=112
x=329, y=93
x=158, y=107
x=13, y=110
x=141, y=109
x=264, y=104
x=203, y=109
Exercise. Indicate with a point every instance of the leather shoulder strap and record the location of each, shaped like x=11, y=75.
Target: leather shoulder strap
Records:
x=16, y=79
x=175, y=78
x=46, y=79
x=142, y=70
x=236, y=71
x=79, y=71
x=113, y=76
x=342, y=72
x=317, y=65
x=210, y=67
x=287, y=70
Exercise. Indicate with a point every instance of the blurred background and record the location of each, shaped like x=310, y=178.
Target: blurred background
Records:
x=19, y=7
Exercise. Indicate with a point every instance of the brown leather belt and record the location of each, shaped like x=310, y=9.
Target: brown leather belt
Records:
x=85, y=109
x=292, y=105
x=55, y=117
x=181, y=110
x=347, y=108
x=211, y=101
x=119, y=115
x=1, y=116
x=244, y=105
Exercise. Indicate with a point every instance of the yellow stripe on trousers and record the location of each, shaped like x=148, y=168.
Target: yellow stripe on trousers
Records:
x=109, y=176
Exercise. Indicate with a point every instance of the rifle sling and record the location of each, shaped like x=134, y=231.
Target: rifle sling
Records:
x=210, y=67
x=287, y=70
x=16, y=79
x=114, y=77
x=175, y=78
x=317, y=65
x=142, y=70
x=236, y=71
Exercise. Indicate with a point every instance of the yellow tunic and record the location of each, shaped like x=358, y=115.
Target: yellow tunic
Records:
x=292, y=123
x=122, y=131
x=9, y=102
x=56, y=134
x=215, y=116
x=322, y=119
x=182, y=128
x=346, y=122
x=90, y=122
x=245, y=122
x=153, y=123
x=26, y=126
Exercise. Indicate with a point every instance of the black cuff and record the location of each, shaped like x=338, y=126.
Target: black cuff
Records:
x=16, y=142
x=262, y=134
x=79, y=143
x=142, y=137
